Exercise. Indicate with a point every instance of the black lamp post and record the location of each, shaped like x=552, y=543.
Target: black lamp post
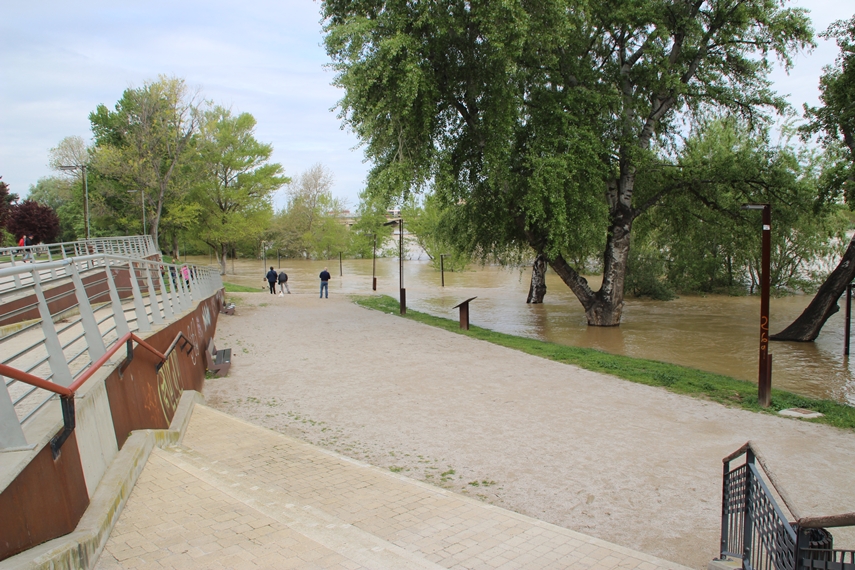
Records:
x=764, y=381
x=403, y=292
x=442, y=266
x=374, y=265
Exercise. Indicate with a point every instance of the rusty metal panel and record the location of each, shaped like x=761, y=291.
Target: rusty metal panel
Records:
x=146, y=398
x=45, y=501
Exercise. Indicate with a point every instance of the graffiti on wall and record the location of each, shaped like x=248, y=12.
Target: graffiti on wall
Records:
x=169, y=385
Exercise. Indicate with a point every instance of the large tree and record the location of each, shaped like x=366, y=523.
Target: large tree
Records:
x=309, y=225
x=235, y=184
x=834, y=122
x=7, y=199
x=532, y=119
x=143, y=143
x=30, y=217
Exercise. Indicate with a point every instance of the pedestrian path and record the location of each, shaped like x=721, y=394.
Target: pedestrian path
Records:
x=235, y=495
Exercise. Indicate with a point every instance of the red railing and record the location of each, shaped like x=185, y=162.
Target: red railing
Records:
x=93, y=368
x=67, y=393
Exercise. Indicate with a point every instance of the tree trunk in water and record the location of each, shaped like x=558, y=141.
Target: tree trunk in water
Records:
x=806, y=328
x=537, y=290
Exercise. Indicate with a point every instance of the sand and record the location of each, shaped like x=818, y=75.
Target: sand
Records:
x=632, y=464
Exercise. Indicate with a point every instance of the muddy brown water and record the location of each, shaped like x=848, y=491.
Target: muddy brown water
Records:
x=716, y=333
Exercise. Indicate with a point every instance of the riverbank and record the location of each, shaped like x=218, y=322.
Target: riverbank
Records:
x=674, y=378
x=625, y=462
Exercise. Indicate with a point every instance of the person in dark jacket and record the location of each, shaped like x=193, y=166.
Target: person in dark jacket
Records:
x=283, y=283
x=325, y=283
x=271, y=280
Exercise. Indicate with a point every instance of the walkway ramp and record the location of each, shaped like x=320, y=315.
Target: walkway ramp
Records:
x=235, y=495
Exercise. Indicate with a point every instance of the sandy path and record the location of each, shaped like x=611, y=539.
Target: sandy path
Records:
x=628, y=463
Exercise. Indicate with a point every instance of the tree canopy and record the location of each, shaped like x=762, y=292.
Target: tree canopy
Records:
x=232, y=198
x=531, y=121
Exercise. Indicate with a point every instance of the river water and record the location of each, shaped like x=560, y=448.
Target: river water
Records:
x=716, y=333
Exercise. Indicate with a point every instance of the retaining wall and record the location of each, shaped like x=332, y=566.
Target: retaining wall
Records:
x=42, y=498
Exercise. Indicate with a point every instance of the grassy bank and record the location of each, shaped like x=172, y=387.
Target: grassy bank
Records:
x=232, y=288
x=678, y=379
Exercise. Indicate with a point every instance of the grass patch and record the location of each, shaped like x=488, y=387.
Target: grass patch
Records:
x=672, y=377
x=232, y=288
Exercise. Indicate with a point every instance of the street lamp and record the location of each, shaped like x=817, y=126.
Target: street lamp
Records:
x=374, y=265
x=764, y=383
x=82, y=167
x=403, y=292
x=142, y=203
x=442, y=266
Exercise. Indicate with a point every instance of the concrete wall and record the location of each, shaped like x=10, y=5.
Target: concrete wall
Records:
x=46, y=498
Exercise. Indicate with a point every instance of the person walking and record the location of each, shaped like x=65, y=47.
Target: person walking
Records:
x=325, y=283
x=283, y=283
x=271, y=280
x=28, y=252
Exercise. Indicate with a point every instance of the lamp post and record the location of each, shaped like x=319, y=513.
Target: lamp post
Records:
x=82, y=168
x=764, y=381
x=442, y=266
x=142, y=204
x=374, y=265
x=403, y=292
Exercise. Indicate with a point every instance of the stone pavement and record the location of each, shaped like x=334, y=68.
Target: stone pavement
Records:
x=235, y=495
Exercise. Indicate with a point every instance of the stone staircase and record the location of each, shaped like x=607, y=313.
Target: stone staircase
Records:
x=234, y=495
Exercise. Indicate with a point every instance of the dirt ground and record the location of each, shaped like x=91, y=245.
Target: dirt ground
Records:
x=628, y=463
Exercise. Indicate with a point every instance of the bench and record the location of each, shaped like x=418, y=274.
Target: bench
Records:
x=228, y=309
x=218, y=361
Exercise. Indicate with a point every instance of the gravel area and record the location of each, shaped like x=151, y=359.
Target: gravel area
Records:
x=631, y=464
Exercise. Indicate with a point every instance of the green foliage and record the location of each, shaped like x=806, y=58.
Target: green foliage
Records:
x=145, y=145
x=674, y=378
x=310, y=225
x=698, y=237
x=834, y=120
x=425, y=222
x=530, y=121
x=370, y=217
x=231, y=200
x=65, y=197
x=646, y=271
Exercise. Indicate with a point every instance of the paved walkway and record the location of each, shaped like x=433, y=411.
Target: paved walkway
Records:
x=235, y=495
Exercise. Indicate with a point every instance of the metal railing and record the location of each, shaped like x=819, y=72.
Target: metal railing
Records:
x=129, y=246
x=755, y=528
x=67, y=314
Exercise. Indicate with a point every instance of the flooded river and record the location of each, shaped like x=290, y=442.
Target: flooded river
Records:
x=715, y=333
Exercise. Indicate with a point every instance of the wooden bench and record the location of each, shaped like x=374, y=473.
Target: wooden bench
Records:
x=218, y=361
x=228, y=309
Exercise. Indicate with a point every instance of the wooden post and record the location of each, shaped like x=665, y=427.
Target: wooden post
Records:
x=464, y=313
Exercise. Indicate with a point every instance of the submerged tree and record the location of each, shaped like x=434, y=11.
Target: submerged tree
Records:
x=532, y=120
x=834, y=121
x=700, y=240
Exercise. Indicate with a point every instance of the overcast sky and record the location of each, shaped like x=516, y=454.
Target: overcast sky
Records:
x=59, y=60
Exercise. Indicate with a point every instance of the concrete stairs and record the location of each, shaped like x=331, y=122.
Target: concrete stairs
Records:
x=234, y=495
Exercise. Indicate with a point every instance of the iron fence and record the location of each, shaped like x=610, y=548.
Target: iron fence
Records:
x=756, y=529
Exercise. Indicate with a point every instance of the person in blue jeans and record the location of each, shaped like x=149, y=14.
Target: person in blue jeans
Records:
x=325, y=283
